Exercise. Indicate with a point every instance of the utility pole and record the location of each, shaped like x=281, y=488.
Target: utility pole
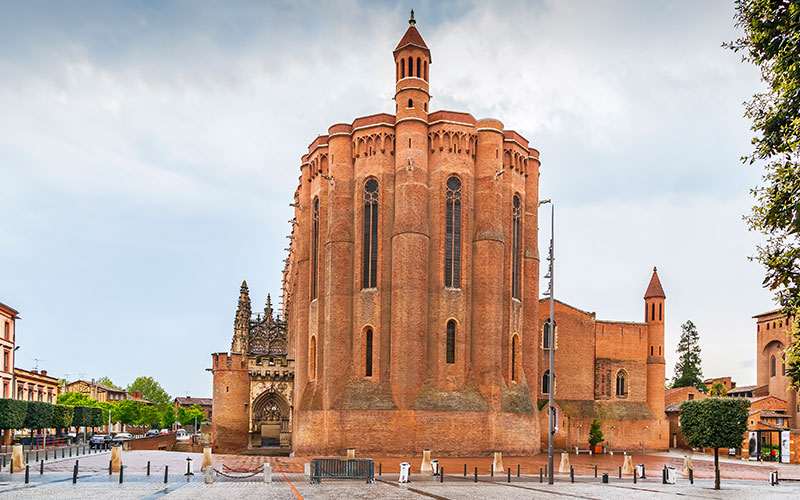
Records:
x=551, y=344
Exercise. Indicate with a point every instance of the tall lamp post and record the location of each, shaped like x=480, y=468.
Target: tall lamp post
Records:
x=551, y=344
x=611, y=441
x=643, y=429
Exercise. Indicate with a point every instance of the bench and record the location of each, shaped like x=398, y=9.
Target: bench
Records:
x=342, y=468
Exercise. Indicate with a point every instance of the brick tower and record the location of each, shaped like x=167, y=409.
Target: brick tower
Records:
x=656, y=367
x=412, y=280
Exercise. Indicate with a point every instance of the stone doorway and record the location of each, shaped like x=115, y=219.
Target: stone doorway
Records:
x=271, y=420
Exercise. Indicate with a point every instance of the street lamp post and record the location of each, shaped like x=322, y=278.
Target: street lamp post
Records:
x=577, y=438
x=611, y=440
x=643, y=429
x=551, y=344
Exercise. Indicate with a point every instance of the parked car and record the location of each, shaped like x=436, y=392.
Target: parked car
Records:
x=122, y=436
x=182, y=435
x=153, y=432
x=165, y=431
x=99, y=441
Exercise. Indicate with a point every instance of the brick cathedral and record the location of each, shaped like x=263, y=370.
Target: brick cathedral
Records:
x=411, y=298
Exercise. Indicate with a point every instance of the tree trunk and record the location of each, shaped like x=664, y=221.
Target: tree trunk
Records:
x=716, y=468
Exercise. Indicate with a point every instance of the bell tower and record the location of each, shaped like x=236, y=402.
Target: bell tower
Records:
x=412, y=62
x=654, y=312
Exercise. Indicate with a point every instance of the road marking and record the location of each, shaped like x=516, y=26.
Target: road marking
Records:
x=294, y=490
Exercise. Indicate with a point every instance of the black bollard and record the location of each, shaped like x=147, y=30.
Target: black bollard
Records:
x=664, y=475
x=571, y=474
x=465, y=470
x=476, y=474
x=75, y=473
x=691, y=476
x=109, y=467
x=62, y=452
x=491, y=470
x=509, y=475
x=540, y=474
x=70, y=452
x=380, y=469
x=37, y=456
x=595, y=470
x=634, y=475
x=166, y=471
x=27, y=458
x=120, y=474
x=643, y=475
x=41, y=467
x=517, y=470
x=11, y=468
x=545, y=471
x=27, y=473
x=441, y=474
x=620, y=472
x=148, y=467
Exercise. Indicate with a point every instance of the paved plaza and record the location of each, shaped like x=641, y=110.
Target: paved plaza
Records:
x=290, y=483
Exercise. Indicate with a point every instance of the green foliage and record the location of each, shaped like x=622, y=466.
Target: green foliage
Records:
x=82, y=416
x=12, y=413
x=595, y=434
x=687, y=369
x=771, y=41
x=95, y=416
x=150, y=416
x=714, y=422
x=187, y=416
x=75, y=399
x=62, y=416
x=39, y=415
x=107, y=381
x=151, y=391
x=718, y=389
x=128, y=411
x=168, y=417
x=108, y=407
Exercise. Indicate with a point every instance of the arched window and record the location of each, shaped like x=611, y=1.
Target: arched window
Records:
x=514, y=358
x=425, y=67
x=772, y=366
x=622, y=388
x=450, y=347
x=452, y=251
x=546, y=382
x=312, y=359
x=397, y=72
x=315, y=251
x=410, y=103
x=402, y=68
x=653, y=311
x=419, y=67
x=546, y=334
x=368, y=353
x=659, y=312
x=370, y=250
x=516, y=214
x=410, y=66
x=783, y=365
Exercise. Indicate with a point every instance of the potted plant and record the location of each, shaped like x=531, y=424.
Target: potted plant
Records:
x=595, y=437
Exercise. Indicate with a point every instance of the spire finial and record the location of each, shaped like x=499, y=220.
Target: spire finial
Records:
x=654, y=269
x=411, y=21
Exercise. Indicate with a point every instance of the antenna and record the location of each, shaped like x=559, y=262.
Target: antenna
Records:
x=81, y=376
x=37, y=363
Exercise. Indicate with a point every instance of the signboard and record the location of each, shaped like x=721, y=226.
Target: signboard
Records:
x=785, y=447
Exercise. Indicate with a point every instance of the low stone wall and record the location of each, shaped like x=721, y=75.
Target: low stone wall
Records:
x=160, y=442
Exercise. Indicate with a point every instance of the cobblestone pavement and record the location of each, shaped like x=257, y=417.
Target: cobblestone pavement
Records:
x=94, y=482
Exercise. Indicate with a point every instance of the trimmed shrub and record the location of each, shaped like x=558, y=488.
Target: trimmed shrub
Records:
x=12, y=413
x=39, y=415
x=62, y=416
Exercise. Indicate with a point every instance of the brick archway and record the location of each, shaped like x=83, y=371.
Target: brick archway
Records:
x=271, y=415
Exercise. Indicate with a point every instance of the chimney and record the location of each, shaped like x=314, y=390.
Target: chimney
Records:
x=34, y=371
x=44, y=372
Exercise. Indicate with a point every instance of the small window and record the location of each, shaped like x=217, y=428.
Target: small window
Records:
x=419, y=67
x=312, y=359
x=651, y=350
x=772, y=366
x=546, y=334
x=652, y=312
x=450, y=348
x=691, y=395
x=659, y=312
x=402, y=68
x=410, y=66
x=514, y=358
x=425, y=106
x=622, y=387
x=410, y=103
x=425, y=67
x=368, y=351
x=546, y=382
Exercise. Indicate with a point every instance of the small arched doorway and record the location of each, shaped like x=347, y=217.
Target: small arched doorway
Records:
x=271, y=416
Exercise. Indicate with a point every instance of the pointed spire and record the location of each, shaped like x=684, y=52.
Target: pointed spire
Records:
x=654, y=289
x=268, y=308
x=412, y=37
x=241, y=323
x=411, y=21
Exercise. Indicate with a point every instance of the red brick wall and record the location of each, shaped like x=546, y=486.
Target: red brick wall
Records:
x=230, y=402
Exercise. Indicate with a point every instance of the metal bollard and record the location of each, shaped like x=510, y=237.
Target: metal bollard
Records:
x=70, y=452
x=517, y=470
x=643, y=474
x=62, y=452
x=465, y=470
x=27, y=473
x=620, y=472
x=540, y=474
x=121, y=468
x=491, y=470
x=476, y=474
x=380, y=469
x=75, y=473
x=691, y=476
x=166, y=471
x=441, y=474
x=148, y=467
x=595, y=470
x=664, y=475
x=634, y=476
x=41, y=467
x=37, y=456
x=509, y=475
x=571, y=474
x=109, y=467
x=27, y=458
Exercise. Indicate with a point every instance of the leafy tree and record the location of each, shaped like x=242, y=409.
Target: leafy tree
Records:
x=39, y=415
x=128, y=411
x=718, y=389
x=771, y=41
x=151, y=391
x=687, y=368
x=75, y=399
x=714, y=423
x=168, y=418
x=81, y=416
x=109, y=409
x=186, y=416
x=12, y=414
x=107, y=381
x=150, y=416
x=62, y=416
x=95, y=416
x=595, y=434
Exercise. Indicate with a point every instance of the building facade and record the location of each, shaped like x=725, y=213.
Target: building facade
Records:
x=8, y=318
x=253, y=403
x=205, y=404
x=97, y=391
x=35, y=385
x=773, y=335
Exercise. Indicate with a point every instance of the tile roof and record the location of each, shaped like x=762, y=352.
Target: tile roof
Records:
x=194, y=401
x=412, y=37
x=654, y=289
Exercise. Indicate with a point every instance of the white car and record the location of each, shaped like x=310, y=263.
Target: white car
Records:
x=182, y=435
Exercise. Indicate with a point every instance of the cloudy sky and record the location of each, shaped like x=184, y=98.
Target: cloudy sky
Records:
x=148, y=152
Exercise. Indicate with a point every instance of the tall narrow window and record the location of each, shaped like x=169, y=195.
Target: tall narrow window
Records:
x=514, y=356
x=370, y=255
x=546, y=334
x=659, y=313
x=315, y=251
x=772, y=366
x=419, y=67
x=368, y=352
x=402, y=68
x=425, y=67
x=410, y=66
x=452, y=257
x=546, y=382
x=312, y=359
x=516, y=212
x=622, y=390
x=652, y=312
x=450, y=348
